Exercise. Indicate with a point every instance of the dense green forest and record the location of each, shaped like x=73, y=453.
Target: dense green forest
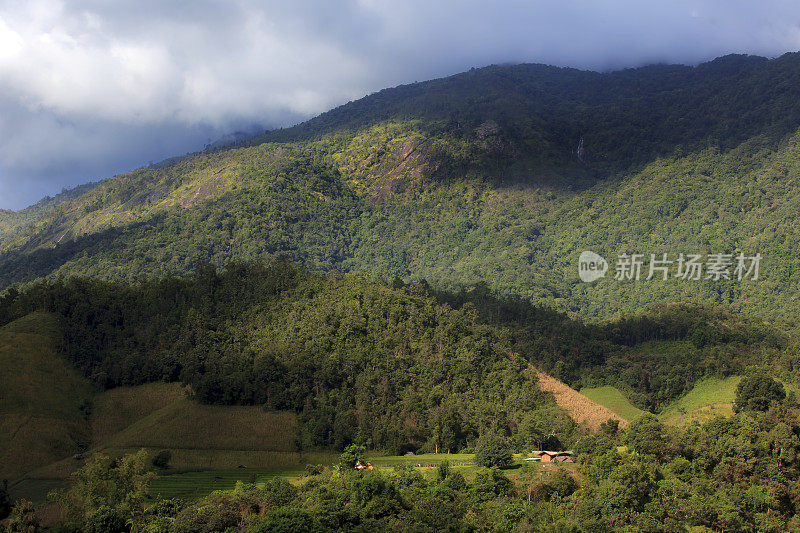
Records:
x=397, y=367
x=477, y=178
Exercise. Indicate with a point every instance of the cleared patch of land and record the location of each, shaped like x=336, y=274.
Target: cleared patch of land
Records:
x=580, y=408
x=709, y=398
x=160, y=416
x=117, y=409
x=612, y=398
x=187, y=425
x=41, y=420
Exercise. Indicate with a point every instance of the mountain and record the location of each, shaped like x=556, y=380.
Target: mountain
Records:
x=500, y=175
x=13, y=221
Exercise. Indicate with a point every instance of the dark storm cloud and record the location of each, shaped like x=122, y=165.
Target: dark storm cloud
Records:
x=89, y=89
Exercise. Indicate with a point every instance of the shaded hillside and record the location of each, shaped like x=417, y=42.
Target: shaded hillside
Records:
x=398, y=367
x=624, y=116
x=43, y=401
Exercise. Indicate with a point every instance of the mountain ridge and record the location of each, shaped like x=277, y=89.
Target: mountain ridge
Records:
x=471, y=178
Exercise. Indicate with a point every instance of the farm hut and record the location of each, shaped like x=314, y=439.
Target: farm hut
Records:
x=554, y=457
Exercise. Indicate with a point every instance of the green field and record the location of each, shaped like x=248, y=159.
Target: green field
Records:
x=613, y=399
x=191, y=485
x=709, y=398
x=117, y=409
x=195, y=484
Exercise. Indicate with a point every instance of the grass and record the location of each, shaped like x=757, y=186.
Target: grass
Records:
x=36, y=490
x=612, y=398
x=160, y=416
x=188, y=425
x=176, y=482
x=156, y=416
x=40, y=405
x=709, y=398
x=116, y=409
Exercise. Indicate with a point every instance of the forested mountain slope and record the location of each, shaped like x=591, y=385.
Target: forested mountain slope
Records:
x=478, y=177
x=13, y=221
x=398, y=367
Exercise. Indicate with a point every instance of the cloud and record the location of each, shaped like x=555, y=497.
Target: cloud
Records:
x=88, y=89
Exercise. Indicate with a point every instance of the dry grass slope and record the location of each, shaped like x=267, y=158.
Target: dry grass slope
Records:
x=160, y=416
x=186, y=424
x=117, y=409
x=40, y=416
x=581, y=409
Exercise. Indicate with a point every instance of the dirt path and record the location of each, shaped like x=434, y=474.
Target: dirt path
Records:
x=581, y=409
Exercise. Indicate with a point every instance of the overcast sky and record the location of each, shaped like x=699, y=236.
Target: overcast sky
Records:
x=89, y=89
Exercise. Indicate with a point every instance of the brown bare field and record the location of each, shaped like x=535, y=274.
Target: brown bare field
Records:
x=583, y=410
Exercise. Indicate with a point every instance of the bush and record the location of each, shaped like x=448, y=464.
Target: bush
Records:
x=105, y=519
x=493, y=450
x=286, y=520
x=351, y=455
x=23, y=518
x=279, y=492
x=757, y=393
x=216, y=512
x=162, y=458
x=314, y=470
x=490, y=484
x=5, y=500
x=443, y=470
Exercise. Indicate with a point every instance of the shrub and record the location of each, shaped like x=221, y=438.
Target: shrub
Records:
x=23, y=518
x=351, y=455
x=313, y=470
x=758, y=392
x=162, y=458
x=443, y=470
x=105, y=519
x=493, y=450
x=279, y=492
x=286, y=520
